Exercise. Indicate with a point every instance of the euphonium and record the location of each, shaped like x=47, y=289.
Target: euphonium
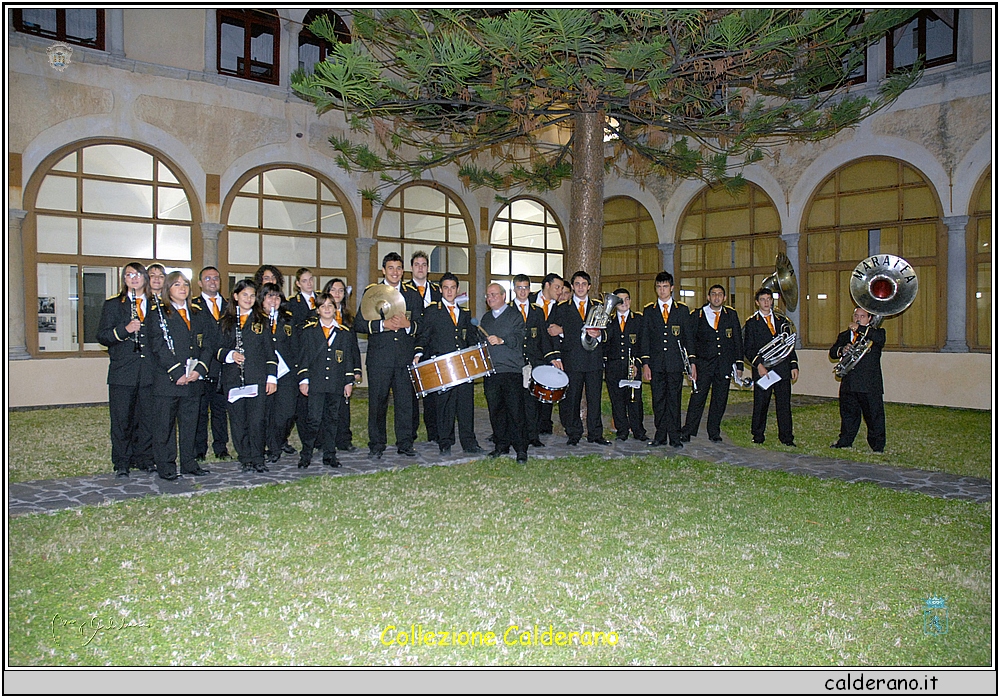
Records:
x=881, y=285
x=778, y=349
x=782, y=283
x=598, y=318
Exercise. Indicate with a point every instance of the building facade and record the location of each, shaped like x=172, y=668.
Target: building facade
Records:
x=172, y=135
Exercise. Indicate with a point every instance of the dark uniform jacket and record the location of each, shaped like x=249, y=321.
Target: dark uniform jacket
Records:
x=757, y=335
x=391, y=349
x=439, y=335
x=509, y=356
x=128, y=366
x=432, y=291
x=534, y=330
x=620, y=345
x=660, y=350
x=200, y=342
x=301, y=310
x=569, y=348
x=258, y=348
x=866, y=376
x=199, y=306
x=284, y=339
x=329, y=366
x=723, y=345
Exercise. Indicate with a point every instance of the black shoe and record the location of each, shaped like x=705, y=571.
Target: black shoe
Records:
x=495, y=453
x=758, y=441
x=289, y=449
x=245, y=467
x=621, y=438
x=537, y=443
x=641, y=437
x=657, y=442
x=146, y=468
x=545, y=432
x=304, y=462
x=273, y=458
x=573, y=442
x=878, y=450
x=790, y=444
x=200, y=457
x=677, y=445
x=475, y=450
x=446, y=450
x=349, y=448
x=375, y=455
x=168, y=476
x=199, y=472
x=121, y=474
x=224, y=455
x=685, y=438
x=331, y=463
x=261, y=468
x=715, y=439
x=522, y=457
x=406, y=452
x=839, y=445
x=600, y=441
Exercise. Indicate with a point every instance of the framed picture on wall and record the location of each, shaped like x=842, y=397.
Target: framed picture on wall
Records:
x=47, y=306
x=47, y=323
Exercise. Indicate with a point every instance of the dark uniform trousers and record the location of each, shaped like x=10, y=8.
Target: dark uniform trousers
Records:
x=440, y=335
x=626, y=403
x=662, y=354
x=177, y=406
x=756, y=335
x=534, y=328
x=861, y=392
x=329, y=366
x=389, y=355
x=248, y=415
x=585, y=370
x=345, y=437
x=130, y=377
x=431, y=294
x=716, y=350
x=543, y=410
x=213, y=401
x=505, y=389
x=280, y=405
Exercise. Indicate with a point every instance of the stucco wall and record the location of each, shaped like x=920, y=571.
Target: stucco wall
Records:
x=168, y=36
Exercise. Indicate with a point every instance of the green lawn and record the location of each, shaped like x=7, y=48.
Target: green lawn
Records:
x=686, y=563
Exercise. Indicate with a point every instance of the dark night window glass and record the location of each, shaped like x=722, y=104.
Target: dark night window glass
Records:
x=82, y=27
x=248, y=44
x=932, y=36
x=312, y=49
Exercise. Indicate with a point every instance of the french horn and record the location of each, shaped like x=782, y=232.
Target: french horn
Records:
x=783, y=284
x=881, y=285
x=598, y=318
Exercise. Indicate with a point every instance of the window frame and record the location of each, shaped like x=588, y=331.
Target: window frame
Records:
x=60, y=33
x=975, y=257
x=921, y=19
x=508, y=279
x=642, y=283
x=250, y=19
x=307, y=37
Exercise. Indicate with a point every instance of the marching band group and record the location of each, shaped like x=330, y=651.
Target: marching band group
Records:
x=266, y=364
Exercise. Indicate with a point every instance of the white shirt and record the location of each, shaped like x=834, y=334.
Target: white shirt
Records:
x=710, y=314
x=669, y=303
x=427, y=290
x=213, y=300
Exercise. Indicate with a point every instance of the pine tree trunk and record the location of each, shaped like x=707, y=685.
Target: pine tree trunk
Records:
x=586, y=223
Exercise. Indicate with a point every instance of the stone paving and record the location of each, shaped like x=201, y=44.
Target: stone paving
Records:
x=54, y=495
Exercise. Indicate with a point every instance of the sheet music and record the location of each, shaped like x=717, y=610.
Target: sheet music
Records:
x=768, y=380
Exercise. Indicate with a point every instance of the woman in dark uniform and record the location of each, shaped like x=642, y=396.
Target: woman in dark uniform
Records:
x=345, y=318
x=280, y=405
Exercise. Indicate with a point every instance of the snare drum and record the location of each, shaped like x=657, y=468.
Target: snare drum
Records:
x=548, y=384
x=447, y=371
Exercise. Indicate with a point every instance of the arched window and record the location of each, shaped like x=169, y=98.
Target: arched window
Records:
x=313, y=49
x=423, y=217
x=979, y=246
x=727, y=239
x=872, y=206
x=526, y=239
x=248, y=44
x=630, y=257
x=96, y=209
x=291, y=219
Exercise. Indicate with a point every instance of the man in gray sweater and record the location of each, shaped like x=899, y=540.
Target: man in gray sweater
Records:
x=504, y=328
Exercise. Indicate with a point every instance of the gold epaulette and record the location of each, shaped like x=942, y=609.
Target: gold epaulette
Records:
x=649, y=305
x=636, y=313
x=311, y=322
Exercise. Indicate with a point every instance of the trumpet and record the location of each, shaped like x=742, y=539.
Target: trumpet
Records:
x=598, y=318
x=741, y=383
x=632, y=371
x=687, y=366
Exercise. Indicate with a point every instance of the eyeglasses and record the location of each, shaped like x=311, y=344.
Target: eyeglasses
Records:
x=133, y=275
x=521, y=288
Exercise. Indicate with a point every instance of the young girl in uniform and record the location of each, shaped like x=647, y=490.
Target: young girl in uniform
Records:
x=280, y=406
x=345, y=318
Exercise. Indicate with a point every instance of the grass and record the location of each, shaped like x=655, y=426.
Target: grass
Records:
x=929, y=438
x=689, y=564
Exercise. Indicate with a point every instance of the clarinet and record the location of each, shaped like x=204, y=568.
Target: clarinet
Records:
x=239, y=349
x=135, y=316
x=687, y=366
x=163, y=328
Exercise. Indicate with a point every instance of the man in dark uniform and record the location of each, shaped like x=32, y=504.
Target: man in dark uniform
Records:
x=762, y=327
x=585, y=369
x=445, y=328
x=504, y=390
x=281, y=404
x=390, y=352
x=326, y=379
x=429, y=292
x=534, y=330
x=303, y=303
x=861, y=389
x=547, y=299
x=666, y=327
x=718, y=346
x=214, y=305
x=623, y=355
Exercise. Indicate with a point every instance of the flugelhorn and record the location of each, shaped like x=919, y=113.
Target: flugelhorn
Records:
x=598, y=318
x=881, y=285
x=781, y=283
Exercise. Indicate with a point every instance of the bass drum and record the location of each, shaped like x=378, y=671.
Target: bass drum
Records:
x=446, y=371
x=548, y=384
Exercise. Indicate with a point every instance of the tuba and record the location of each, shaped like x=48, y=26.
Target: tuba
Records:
x=781, y=283
x=881, y=285
x=598, y=318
